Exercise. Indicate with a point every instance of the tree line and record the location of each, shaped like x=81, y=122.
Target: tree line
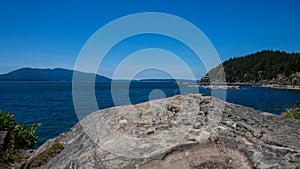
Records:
x=263, y=65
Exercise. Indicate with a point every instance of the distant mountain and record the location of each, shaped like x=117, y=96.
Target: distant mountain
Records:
x=57, y=74
x=262, y=67
x=157, y=80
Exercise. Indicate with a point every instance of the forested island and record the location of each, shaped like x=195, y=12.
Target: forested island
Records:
x=264, y=67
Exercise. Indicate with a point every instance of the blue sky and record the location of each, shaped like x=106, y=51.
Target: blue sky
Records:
x=49, y=34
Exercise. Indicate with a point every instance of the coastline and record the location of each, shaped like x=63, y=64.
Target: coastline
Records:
x=286, y=87
x=273, y=86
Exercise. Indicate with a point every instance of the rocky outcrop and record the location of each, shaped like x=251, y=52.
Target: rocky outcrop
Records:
x=4, y=136
x=293, y=79
x=191, y=131
x=291, y=82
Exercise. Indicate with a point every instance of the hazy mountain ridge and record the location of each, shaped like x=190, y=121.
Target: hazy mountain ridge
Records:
x=57, y=74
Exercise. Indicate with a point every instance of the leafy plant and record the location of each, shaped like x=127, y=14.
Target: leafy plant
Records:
x=21, y=136
x=26, y=136
x=7, y=121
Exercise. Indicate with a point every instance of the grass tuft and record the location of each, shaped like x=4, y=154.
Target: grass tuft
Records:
x=46, y=155
x=293, y=113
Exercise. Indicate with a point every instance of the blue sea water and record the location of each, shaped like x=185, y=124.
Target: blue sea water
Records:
x=51, y=103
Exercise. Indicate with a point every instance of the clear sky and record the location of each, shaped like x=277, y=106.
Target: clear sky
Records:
x=49, y=34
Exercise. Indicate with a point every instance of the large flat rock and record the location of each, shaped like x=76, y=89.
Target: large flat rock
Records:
x=191, y=131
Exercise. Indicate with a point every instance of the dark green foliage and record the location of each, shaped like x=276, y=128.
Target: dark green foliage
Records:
x=264, y=65
x=21, y=136
x=7, y=121
x=25, y=136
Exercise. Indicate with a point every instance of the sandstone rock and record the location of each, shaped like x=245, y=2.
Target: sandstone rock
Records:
x=191, y=131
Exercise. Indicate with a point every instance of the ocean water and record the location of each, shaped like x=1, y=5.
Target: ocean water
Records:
x=51, y=103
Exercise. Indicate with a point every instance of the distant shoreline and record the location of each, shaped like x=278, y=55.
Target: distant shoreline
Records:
x=273, y=86
x=287, y=87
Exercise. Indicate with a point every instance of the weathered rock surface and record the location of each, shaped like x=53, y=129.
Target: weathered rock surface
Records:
x=3, y=137
x=191, y=131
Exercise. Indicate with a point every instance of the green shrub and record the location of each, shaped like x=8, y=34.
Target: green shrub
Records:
x=21, y=136
x=7, y=121
x=25, y=136
x=293, y=113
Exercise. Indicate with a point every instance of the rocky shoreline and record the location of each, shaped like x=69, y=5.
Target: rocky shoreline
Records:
x=191, y=131
x=273, y=86
x=291, y=82
x=287, y=87
x=222, y=87
x=216, y=87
